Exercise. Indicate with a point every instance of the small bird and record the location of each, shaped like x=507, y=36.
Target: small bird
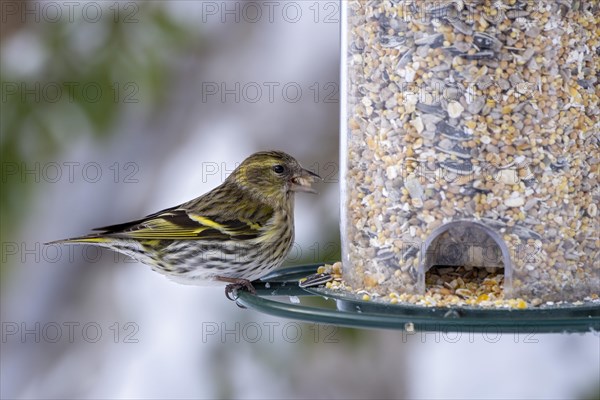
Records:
x=236, y=233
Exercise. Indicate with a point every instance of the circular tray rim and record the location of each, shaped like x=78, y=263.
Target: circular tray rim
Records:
x=352, y=311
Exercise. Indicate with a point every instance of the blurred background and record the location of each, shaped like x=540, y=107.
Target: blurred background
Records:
x=113, y=110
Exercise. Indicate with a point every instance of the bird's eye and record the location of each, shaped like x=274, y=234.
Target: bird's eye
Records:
x=278, y=169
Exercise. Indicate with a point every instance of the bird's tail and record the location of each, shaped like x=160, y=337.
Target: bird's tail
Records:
x=88, y=239
x=131, y=248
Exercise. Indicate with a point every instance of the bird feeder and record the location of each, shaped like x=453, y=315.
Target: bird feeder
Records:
x=470, y=162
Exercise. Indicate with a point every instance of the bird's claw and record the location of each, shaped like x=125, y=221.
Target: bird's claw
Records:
x=232, y=289
x=229, y=290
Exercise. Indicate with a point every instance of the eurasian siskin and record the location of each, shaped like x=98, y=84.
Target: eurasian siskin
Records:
x=236, y=233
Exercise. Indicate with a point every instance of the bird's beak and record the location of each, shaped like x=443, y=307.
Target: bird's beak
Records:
x=302, y=182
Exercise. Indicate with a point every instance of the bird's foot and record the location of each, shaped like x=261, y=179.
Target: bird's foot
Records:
x=234, y=285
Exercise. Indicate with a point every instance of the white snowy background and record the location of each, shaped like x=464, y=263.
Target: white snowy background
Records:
x=191, y=342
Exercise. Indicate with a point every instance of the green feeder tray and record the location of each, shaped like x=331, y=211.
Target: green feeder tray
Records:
x=346, y=309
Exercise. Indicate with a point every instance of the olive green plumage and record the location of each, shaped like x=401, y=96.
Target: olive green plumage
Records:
x=236, y=233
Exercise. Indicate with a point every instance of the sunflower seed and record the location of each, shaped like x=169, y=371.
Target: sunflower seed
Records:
x=479, y=55
x=459, y=168
x=392, y=41
x=315, y=280
x=456, y=150
x=433, y=41
x=451, y=132
x=485, y=41
x=512, y=14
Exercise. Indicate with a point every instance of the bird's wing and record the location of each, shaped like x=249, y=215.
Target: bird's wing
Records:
x=179, y=223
